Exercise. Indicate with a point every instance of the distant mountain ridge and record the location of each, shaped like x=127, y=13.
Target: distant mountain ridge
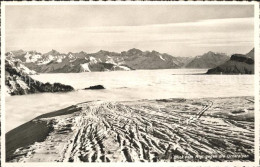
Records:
x=208, y=60
x=55, y=62
x=237, y=64
x=133, y=59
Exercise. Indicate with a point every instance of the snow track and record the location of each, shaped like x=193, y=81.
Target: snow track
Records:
x=148, y=131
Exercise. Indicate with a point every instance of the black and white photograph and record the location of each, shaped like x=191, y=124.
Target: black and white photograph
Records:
x=115, y=82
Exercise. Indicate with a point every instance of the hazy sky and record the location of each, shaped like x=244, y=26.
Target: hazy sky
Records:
x=178, y=30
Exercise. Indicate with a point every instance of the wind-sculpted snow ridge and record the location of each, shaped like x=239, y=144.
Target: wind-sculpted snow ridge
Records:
x=167, y=130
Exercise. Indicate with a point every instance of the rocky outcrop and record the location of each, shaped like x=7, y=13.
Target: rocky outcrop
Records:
x=208, y=60
x=19, y=82
x=95, y=87
x=237, y=64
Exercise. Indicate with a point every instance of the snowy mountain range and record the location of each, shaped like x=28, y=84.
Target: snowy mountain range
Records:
x=133, y=59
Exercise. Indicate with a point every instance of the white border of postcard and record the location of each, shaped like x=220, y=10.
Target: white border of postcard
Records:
x=164, y=164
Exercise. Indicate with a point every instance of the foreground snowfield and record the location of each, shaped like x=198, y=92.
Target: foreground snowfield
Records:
x=206, y=129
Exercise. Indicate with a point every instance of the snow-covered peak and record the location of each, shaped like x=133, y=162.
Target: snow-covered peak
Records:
x=110, y=60
x=92, y=60
x=71, y=56
x=50, y=57
x=59, y=60
x=32, y=58
x=85, y=67
x=161, y=57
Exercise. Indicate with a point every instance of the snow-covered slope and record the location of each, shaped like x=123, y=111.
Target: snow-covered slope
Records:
x=19, y=82
x=19, y=66
x=166, y=130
